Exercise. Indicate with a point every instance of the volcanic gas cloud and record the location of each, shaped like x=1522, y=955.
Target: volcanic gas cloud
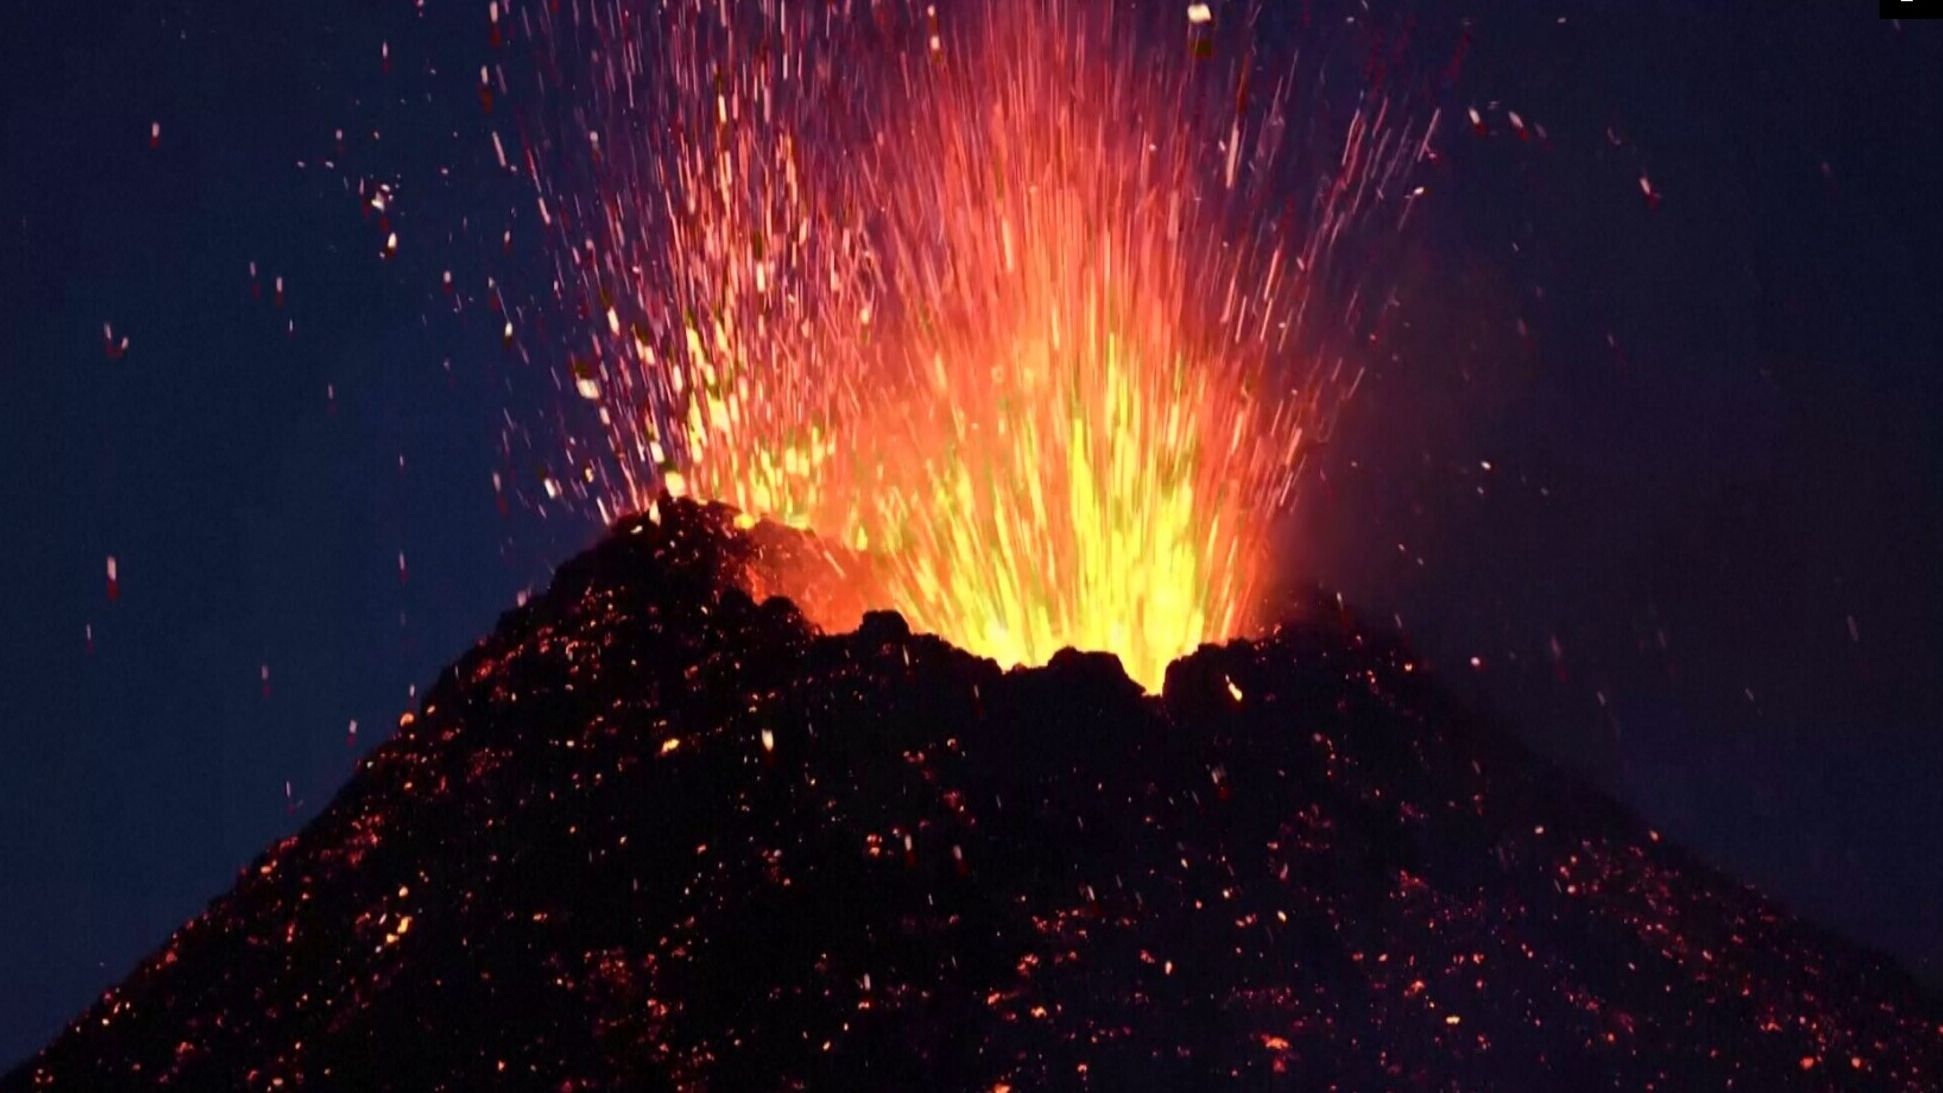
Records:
x=1030, y=304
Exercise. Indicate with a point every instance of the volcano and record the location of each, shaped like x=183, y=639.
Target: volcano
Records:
x=653, y=834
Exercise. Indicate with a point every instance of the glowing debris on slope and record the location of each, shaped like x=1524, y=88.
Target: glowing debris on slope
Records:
x=936, y=874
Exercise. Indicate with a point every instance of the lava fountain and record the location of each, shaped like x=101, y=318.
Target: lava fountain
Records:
x=1022, y=301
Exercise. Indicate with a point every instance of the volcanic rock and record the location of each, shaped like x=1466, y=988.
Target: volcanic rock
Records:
x=653, y=834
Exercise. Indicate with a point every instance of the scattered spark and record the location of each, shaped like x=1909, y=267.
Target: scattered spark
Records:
x=112, y=347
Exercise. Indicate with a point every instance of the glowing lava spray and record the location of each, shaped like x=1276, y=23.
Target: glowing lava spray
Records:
x=1016, y=298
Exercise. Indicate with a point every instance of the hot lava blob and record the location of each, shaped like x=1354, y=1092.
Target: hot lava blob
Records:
x=1023, y=302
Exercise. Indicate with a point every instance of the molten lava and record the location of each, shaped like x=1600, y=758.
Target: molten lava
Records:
x=1014, y=300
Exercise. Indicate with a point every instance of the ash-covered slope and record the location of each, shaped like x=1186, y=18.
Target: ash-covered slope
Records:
x=652, y=834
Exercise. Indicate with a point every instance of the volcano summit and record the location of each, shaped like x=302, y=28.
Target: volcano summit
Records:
x=653, y=834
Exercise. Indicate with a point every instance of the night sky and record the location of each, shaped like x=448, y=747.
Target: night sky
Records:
x=1700, y=566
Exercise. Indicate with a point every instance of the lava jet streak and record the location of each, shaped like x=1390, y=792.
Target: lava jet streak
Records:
x=1022, y=300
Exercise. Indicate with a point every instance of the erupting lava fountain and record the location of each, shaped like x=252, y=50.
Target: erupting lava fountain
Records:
x=1035, y=305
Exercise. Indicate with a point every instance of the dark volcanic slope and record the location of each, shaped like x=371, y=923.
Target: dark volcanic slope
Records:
x=651, y=834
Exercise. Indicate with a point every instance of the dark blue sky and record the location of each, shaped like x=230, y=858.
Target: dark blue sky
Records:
x=1713, y=441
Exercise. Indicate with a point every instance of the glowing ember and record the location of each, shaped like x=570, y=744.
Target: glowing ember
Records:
x=1016, y=302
